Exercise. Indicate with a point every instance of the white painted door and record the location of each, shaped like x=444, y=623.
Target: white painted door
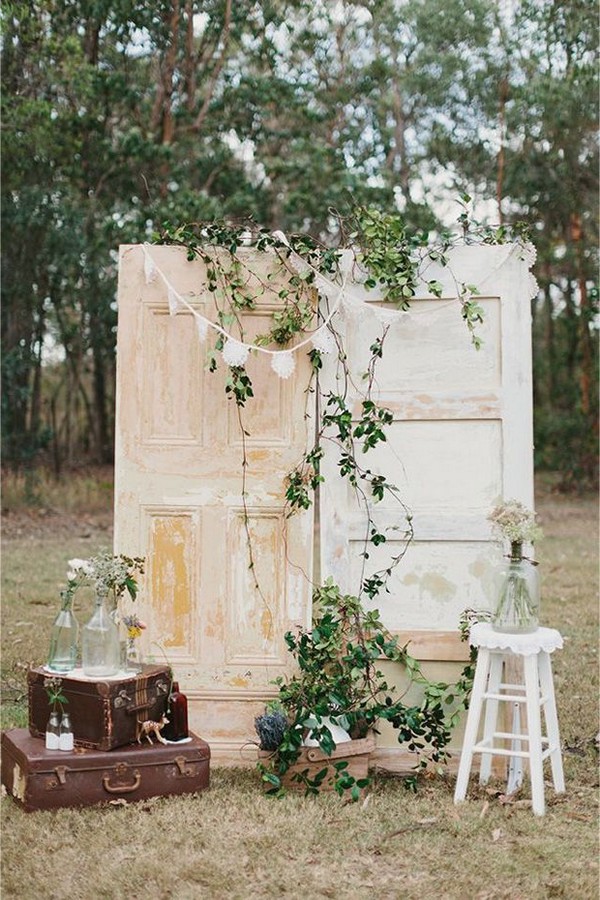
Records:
x=461, y=440
x=179, y=500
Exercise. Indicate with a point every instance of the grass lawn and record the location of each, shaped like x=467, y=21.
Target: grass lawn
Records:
x=232, y=842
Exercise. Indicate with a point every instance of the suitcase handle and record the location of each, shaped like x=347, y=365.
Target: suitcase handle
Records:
x=122, y=788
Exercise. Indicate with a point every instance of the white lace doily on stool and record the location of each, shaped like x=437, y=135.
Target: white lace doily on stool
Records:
x=547, y=639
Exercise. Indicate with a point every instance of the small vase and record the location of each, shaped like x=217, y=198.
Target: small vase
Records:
x=517, y=610
x=65, y=737
x=53, y=732
x=100, y=650
x=62, y=656
x=133, y=657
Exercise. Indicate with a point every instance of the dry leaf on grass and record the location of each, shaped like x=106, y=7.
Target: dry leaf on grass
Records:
x=497, y=833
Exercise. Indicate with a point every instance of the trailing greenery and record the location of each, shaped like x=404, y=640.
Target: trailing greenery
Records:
x=339, y=677
x=337, y=658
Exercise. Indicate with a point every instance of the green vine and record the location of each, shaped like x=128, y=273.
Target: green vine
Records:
x=337, y=658
x=339, y=677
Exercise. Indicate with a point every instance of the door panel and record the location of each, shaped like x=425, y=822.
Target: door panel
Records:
x=179, y=499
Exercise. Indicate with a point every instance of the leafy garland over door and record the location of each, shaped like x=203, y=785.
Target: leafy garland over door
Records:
x=386, y=257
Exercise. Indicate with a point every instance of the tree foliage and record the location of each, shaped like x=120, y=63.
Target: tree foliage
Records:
x=119, y=116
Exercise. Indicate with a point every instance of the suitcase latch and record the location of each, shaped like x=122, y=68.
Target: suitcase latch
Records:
x=61, y=774
x=180, y=762
x=121, y=699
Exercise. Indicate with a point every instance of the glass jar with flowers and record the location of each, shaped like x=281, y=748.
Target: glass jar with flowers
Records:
x=102, y=654
x=518, y=603
x=135, y=627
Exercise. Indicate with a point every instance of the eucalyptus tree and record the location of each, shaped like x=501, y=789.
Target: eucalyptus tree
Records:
x=537, y=153
x=120, y=116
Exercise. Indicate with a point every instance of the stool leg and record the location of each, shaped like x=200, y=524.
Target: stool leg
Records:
x=534, y=727
x=553, y=734
x=470, y=738
x=491, y=715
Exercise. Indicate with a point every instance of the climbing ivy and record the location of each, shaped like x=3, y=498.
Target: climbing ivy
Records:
x=337, y=657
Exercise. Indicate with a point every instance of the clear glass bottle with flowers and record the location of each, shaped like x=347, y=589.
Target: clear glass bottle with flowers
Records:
x=62, y=655
x=135, y=627
x=518, y=604
x=111, y=576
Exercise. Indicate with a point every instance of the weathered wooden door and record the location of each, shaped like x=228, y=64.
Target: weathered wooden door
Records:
x=461, y=440
x=180, y=500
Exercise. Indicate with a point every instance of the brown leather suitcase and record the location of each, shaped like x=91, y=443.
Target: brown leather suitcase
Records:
x=104, y=713
x=51, y=779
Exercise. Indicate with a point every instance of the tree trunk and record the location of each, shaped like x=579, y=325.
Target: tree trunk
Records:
x=397, y=157
x=585, y=338
x=550, y=343
x=502, y=98
x=190, y=57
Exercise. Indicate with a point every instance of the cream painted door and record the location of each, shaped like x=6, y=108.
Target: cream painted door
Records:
x=461, y=440
x=179, y=500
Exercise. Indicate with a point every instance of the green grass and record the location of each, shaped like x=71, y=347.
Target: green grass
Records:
x=233, y=842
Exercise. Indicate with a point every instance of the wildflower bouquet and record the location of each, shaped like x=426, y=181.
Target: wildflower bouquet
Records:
x=109, y=574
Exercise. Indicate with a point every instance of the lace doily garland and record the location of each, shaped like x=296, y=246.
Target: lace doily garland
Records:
x=341, y=299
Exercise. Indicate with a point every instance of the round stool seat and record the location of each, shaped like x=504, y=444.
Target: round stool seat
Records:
x=482, y=634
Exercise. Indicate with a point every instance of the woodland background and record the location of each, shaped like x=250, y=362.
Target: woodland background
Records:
x=119, y=116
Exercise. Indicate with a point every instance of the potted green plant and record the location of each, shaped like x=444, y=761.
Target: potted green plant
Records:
x=338, y=683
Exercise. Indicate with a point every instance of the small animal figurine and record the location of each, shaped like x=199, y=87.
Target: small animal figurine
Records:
x=149, y=728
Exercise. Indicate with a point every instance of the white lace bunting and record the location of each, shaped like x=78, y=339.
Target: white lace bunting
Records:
x=149, y=268
x=283, y=364
x=174, y=299
x=201, y=327
x=323, y=341
x=235, y=353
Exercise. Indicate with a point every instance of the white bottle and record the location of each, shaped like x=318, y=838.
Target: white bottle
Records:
x=65, y=740
x=52, y=732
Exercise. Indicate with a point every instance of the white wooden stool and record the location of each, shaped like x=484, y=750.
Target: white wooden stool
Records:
x=536, y=692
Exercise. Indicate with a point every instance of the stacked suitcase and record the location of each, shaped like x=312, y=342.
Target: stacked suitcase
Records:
x=108, y=763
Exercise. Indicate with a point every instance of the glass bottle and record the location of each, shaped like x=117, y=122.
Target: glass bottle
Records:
x=53, y=732
x=177, y=712
x=100, y=648
x=133, y=656
x=517, y=609
x=62, y=656
x=65, y=738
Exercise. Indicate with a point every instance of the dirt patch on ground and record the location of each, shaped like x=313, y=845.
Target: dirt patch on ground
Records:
x=42, y=523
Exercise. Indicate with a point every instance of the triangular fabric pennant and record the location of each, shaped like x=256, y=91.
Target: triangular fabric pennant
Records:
x=323, y=341
x=283, y=363
x=235, y=353
x=354, y=309
x=386, y=316
x=201, y=326
x=149, y=268
x=174, y=301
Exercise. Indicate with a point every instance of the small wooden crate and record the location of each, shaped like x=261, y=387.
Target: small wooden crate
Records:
x=312, y=760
